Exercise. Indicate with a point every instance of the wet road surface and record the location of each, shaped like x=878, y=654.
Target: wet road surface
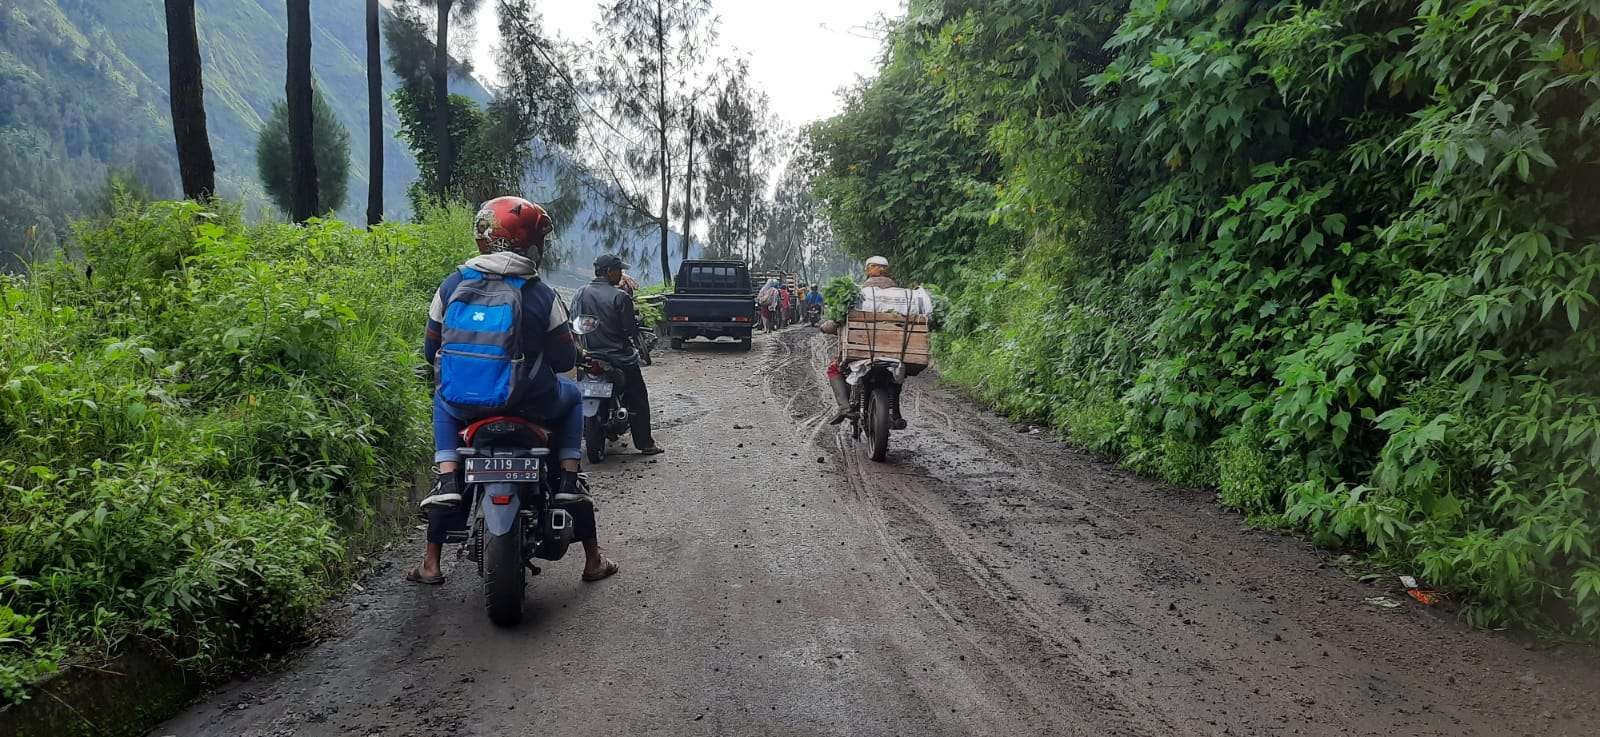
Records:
x=982, y=581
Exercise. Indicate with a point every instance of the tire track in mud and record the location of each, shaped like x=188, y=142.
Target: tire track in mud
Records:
x=983, y=581
x=1126, y=607
x=960, y=586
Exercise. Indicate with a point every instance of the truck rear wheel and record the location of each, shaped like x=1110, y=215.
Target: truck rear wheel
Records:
x=677, y=344
x=745, y=343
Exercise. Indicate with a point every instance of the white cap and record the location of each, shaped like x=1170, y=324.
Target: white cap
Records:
x=878, y=261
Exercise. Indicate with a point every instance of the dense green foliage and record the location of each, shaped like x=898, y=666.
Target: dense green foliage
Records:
x=192, y=415
x=1336, y=259
x=331, y=145
x=839, y=296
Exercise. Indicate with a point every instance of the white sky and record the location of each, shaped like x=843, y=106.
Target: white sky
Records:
x=801, y=51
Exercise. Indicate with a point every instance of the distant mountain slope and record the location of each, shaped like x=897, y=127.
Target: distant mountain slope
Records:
x=83, y=87
x=115, y=55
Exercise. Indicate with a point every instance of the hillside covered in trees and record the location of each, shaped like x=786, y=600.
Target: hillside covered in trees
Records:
x=83, y=90
x=83, y=95
x=1336, y=259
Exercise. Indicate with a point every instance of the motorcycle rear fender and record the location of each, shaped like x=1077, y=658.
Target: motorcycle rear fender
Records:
x=499, y=519
x=591, y=407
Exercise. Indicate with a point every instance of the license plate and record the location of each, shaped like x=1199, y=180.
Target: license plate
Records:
x=595, y=389
x=500, y=470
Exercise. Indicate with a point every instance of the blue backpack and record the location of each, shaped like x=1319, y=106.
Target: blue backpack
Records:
x=482, y=369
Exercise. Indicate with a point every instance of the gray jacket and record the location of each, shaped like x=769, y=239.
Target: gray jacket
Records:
x=612, y=342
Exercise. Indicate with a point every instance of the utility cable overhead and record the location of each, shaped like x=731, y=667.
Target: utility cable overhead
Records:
x=605, y=154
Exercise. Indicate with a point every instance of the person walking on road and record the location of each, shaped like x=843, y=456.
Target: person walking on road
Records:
x=612, y=342
x=783, y=307
x=767, y=305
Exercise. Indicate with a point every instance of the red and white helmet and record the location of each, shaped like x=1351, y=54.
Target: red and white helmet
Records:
x=511, y=224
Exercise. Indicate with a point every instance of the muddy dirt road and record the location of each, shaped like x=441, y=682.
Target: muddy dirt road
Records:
x=983, y=581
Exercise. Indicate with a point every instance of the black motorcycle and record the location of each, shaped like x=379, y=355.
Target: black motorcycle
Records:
x=873, y=399
x=644, y=341
x=600, y=384
x=813, y=315
x=506, y=470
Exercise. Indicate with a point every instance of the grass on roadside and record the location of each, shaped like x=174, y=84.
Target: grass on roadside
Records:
x=193, y=412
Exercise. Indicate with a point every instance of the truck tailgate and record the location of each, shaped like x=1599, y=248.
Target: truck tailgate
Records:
x=710, y=308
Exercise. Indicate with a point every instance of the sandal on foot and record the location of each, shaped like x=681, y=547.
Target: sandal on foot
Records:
x=415, y=576
x=607, y=571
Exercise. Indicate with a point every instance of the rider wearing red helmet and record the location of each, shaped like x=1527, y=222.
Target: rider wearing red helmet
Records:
x=511, y=233
x=512, y=225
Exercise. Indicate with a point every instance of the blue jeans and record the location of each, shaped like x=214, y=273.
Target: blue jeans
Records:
x=563, y=417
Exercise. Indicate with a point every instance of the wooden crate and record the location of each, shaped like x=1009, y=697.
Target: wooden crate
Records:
x=887, y=335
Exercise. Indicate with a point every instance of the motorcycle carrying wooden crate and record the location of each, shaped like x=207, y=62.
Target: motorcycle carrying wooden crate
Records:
x=868, y=335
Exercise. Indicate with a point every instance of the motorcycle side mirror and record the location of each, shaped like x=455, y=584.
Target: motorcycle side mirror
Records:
x=584, y=324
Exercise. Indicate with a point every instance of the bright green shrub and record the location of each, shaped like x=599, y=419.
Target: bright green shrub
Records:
x=839, y=296
x=192, y=413
x=1248, y=475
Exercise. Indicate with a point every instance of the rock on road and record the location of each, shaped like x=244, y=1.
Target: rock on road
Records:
x=983, y=581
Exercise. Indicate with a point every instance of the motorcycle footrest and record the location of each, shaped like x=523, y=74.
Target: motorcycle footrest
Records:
x=455, y=537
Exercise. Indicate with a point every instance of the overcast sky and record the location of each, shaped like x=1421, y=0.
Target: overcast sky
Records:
x=801, y=51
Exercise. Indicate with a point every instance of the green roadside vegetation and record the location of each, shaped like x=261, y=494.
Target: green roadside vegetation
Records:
x=196, y=415
x=1335, y=259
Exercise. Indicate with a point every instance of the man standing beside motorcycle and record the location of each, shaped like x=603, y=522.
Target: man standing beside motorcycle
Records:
x=877, y=278
x=612, y=342
x=510, y=234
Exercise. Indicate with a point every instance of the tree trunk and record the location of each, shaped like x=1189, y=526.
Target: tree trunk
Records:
x=441, y=101
x=195, y=165
x=688, y=191
x=374, y=118
x=749, y=227
x=663, y=118
x=297, y=88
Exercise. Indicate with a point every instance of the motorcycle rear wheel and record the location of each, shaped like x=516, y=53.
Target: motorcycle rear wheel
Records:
x=594, y=438
x=504, y=577
x=878, y=423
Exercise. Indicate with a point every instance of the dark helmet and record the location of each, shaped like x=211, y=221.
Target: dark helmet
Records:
x=511, y=224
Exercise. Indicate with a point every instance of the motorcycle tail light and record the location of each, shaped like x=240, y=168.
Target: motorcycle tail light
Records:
x=595, y=368
x=501, y=499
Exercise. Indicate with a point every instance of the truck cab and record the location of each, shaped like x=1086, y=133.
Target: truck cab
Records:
x=711, y=299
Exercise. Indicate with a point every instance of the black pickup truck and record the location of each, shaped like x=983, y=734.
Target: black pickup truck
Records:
x=711, y=299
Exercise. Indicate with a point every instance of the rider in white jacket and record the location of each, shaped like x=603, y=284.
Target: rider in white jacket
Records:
x=877, y=277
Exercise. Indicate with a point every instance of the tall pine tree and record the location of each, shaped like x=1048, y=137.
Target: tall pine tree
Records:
x=297, y=88
x=374, y=118
x=439, y=72
x=648, y=56
x=195, y=165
